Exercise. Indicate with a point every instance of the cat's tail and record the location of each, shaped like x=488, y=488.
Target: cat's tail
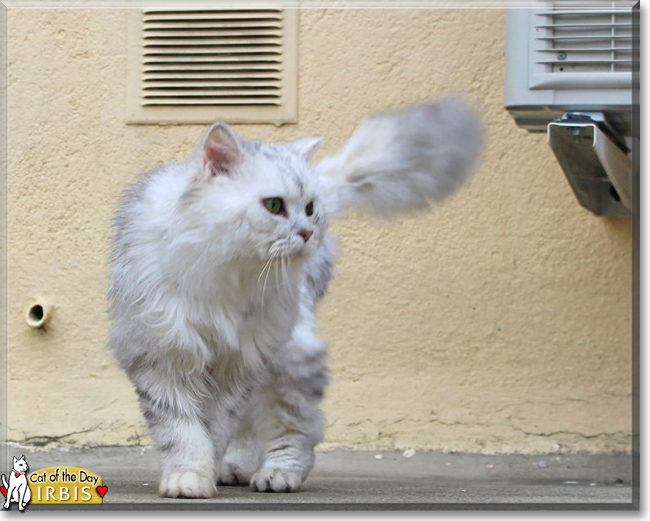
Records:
x=398, y=161
x=4, y=482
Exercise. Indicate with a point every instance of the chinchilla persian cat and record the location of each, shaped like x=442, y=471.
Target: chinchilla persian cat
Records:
x=217, y=266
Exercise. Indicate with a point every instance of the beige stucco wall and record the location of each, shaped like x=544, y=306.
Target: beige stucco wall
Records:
x=500, y=322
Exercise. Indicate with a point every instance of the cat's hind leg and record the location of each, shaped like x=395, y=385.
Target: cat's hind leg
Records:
x=242, y=458
x=287, y=414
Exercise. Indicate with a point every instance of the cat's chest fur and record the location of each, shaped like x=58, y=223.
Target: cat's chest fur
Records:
x=254, y=319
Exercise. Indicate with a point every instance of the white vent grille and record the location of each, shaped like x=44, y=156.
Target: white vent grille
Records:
x=198, y=66
x=569, y=56
x=571, y=37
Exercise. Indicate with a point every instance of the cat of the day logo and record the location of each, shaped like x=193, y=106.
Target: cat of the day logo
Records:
x=51, y=486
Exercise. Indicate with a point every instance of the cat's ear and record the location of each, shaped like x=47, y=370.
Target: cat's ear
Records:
x=15, y=460
x=222, y=150
x=306, y=146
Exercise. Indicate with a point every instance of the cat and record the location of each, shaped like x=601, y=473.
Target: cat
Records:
x=217, y=266
x=18, y=490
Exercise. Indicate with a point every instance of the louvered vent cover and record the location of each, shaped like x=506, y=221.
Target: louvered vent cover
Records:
x=571, y=38
x=200, y=66
x=569, y=56
x=579, y=38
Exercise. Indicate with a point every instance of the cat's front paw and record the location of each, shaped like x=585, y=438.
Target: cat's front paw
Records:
x=275, y=480
x=187, y=485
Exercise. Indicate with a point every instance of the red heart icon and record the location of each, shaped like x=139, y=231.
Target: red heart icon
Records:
x=4, y=491
x=102, y=490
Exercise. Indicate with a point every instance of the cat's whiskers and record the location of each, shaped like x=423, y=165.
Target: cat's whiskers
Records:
x=268, y=262
x=266, y=279
x=284, y=277
x=276, y=276
x=266, y=267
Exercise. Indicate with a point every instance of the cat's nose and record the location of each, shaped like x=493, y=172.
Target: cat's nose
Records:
x=305, y=234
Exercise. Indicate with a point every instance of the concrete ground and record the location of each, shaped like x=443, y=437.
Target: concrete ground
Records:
x=371, y=480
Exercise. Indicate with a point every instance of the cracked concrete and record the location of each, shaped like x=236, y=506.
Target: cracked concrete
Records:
x=374, y=480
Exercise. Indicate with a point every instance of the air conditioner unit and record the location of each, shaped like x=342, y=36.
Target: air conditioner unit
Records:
x=569, y=73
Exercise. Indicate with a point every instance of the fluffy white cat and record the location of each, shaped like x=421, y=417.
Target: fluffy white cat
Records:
x=217, y=266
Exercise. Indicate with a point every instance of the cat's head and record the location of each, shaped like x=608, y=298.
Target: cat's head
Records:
x=20, y=465
x=263, y=197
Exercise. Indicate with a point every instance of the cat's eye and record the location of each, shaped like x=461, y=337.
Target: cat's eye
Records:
x=309, y=209
x=275, y=205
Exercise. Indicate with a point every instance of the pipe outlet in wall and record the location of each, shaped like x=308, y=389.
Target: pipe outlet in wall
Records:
x=38, y=313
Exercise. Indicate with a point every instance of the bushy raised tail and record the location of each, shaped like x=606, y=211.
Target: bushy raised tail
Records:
x=398, y=161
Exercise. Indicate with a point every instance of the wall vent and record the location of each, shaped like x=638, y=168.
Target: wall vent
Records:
x=569, y=73
x=200, y=66
x=578, y=44
x=580, y=39
x=568, y=56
